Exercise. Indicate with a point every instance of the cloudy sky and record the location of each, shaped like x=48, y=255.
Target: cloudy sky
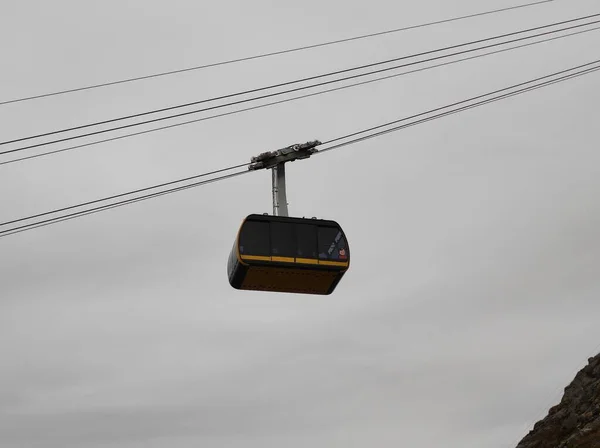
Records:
x=472, y=299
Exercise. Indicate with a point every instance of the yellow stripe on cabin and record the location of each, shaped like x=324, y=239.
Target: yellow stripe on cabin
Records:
x=283, y=259
x=307, y=260
x=313, y=261
x=333, y=263
x=255, y=258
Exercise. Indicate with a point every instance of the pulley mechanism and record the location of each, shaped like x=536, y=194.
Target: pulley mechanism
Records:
x=275, y=161
x=291, y=153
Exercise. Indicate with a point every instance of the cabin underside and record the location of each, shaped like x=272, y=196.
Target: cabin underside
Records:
x=293, y=280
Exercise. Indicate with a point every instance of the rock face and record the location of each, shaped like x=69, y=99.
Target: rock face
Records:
x=575, y=421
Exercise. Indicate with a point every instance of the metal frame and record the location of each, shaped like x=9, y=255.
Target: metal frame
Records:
x=275, y=161
x=280, y=204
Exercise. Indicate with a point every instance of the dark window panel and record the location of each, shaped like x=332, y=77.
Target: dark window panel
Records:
x=254, y=239
x=283, y=239
x=306, y=237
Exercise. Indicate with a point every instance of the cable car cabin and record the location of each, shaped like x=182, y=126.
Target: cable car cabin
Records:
x=284, y=254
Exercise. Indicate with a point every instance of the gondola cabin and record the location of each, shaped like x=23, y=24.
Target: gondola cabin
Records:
x=285, y=254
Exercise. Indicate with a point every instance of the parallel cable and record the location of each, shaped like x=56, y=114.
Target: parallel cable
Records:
x=82, y=213
x=274, y=53
x=462, y=109
x=461, y=102
x=295, y=89
x=591, y=68
x=293, y=99
x=287, y=83
x=116, y=196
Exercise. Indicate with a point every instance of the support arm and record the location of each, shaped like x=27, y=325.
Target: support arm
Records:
x=280, y=205
x=275, y=161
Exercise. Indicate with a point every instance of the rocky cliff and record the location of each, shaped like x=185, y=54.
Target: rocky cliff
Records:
x=575, y=421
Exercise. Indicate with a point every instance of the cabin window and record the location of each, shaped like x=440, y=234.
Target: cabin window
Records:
x=254, y=238
x=332, y=244
x=306, y=241
x=283, y=240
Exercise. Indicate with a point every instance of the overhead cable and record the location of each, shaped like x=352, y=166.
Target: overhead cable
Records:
x=116, y=196
x=93, y=210
x=274, y=53
x=461, y=109
x=590, y=67
x=70, y=148
x=587, y=66
x=291, y=90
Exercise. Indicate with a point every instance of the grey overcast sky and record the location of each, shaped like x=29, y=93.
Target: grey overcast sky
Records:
x=473, y=293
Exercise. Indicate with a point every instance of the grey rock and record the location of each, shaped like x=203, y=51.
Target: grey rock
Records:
x=575, y=421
